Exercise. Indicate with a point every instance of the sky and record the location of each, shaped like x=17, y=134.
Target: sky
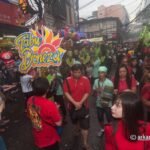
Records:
x=132, y=6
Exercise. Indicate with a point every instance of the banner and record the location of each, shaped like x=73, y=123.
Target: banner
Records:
x=39, y=49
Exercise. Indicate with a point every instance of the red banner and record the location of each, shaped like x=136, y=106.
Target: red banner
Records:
x=11, y=14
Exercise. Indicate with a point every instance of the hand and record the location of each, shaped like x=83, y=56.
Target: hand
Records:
x=57, y=105
x=78, y=105
x=99, y=90
x=127, y=90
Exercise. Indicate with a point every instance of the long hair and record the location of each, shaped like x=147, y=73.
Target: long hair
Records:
x=132, y=112
x=117, y=77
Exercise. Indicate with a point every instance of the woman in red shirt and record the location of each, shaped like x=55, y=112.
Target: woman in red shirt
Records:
x=123, y=81
x=44, y=116
x=125, y=61
x=127, y=132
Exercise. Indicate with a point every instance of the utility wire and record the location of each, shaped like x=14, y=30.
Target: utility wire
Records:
x=139, y=14
x=138, y=7
x=87, y=4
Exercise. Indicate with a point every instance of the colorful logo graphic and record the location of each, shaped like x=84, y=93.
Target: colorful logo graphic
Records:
x=39, y=50
x=35, y=118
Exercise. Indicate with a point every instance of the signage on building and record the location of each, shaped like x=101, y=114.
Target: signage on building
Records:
x=11, y=14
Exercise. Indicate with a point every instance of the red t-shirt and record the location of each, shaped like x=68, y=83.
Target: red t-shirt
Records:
x=119, y=142
x=44, y=131
x=77, y=87
x=122, y=86
x=129, y=69
x=145, y=93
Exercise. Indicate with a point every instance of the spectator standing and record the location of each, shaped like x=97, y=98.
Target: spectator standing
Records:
x=44, y=116
x=104, y=89
x=145, y=92
x=57, y=85
x=77, y=90
x=26, y=85
x=123, y=81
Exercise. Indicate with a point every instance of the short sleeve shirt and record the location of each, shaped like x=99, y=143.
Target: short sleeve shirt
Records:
x=43, y=116
x=78, y=87
x=123, y=85
x=100, y=86
x=118, y=140
x=26, y=83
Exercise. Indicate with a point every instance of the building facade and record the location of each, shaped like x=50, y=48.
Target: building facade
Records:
x=71, y=12
x=60, y=13
x=11, y=19
x=114, y=11
x=110, y=28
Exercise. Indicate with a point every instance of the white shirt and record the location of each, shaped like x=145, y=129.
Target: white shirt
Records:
x=26, y=83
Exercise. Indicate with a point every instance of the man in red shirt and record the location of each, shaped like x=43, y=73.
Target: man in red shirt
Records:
x=77, y=90
x=44, y=116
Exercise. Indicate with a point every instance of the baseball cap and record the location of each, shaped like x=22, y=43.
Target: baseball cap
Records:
x=103, y=69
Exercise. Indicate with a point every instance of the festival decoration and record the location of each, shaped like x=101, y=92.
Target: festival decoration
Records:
x=145, y=36
x=70, y=33
x=35, y=8
x=130, y=53
x=39, y=49
x=84, y=56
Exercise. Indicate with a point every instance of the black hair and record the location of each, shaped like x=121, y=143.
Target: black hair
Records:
x=40, y=86
x=76, y=67
x=117, y=78
x=132, y=109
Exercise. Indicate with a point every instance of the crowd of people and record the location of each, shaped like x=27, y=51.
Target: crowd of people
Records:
x=116, y=77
